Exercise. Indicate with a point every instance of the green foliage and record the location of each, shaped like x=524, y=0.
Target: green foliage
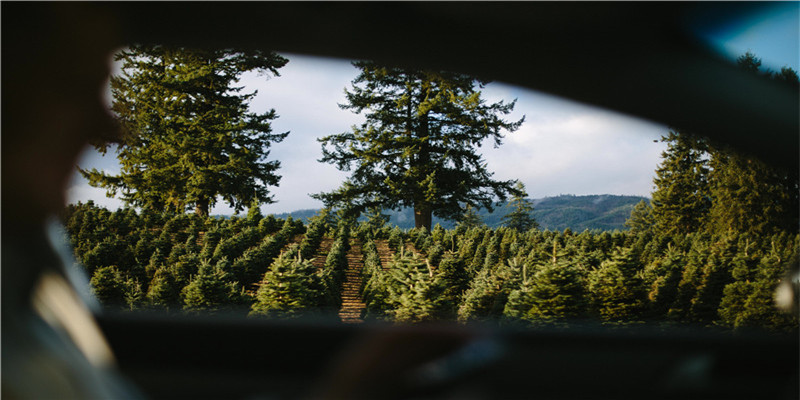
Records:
x=682, y=197
x=396, y=242
x=478, y=274
x=470, y=218
x=237, y=244
x=555, y=292
x=663, y=277
x=335, y=266
x=418, y=145
x=316, y=229
x=521, y=216
x=641, y=220
x=751, y=197
x=486, y=298
x=616, y=290
x=290, y=287
x=374, y=283
x=210, y=290
x=414, y=291
x=188, y=136
x=164, y=291
x=108, y=286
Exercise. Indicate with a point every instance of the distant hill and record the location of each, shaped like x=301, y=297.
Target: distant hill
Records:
x=594, y=212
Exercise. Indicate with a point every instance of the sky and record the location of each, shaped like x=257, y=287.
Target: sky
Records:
x=562, y=148
x=771, y=31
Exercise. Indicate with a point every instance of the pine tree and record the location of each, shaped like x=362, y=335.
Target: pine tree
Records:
x=716, y=274
x=108, y=286
x=681, y=199
x=521, y=216
x=555, y=292
x=290, y=288
x=666, y=275
x=641, y=219
x=751, y=197
x=417, y=147
x=616, y=289
x=210, y=289
x=188, y=135
x=415, y=292
x=691, y=277
x=163, y=291
x=486, y=298
x=470, y=218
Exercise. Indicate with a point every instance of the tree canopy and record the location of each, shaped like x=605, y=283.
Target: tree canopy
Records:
x=418, y=145
x=681, y=199
x=188, y=135
x=521, y=216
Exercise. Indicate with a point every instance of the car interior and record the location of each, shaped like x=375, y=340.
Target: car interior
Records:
x=642, y=59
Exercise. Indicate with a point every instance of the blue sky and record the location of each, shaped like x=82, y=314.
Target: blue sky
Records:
x=562, y=148
x=771, y=31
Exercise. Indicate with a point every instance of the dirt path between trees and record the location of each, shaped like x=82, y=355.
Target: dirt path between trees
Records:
x=352, y=304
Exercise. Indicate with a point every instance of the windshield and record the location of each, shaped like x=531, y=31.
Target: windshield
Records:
x=373, y=193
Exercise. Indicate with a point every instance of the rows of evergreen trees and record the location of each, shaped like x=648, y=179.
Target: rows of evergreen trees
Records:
x=202, y=264
x=261, y=266
x=544, y=277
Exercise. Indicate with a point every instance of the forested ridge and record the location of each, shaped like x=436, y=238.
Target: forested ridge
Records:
x=602, y=212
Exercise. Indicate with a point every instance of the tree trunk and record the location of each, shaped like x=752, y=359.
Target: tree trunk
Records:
x=201, y=208
x=422, y=216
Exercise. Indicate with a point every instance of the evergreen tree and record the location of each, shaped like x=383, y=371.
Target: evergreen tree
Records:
x=188, y=135
x=555, y=292
x=290, y=287
x=417, y=146
x=163, y=291
x=666, y=275
x=470, y=218
x=209, y=290
x=521, y=216
x=486, y=298
x=681, y=199
x=415, y=291
x=641, y=219
x=716, y=275
x=691, y=277
x=751, y=197
x=616, y=288
x=108, y=286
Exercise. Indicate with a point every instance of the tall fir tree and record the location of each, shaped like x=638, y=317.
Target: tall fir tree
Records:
x=187, y=133
x=418, y=145
x=681, y=199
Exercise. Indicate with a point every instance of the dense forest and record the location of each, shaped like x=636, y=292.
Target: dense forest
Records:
x=257, y=265
x=709, y=250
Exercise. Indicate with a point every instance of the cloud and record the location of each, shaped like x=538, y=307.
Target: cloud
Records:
x=562, y=148
x=565, y=147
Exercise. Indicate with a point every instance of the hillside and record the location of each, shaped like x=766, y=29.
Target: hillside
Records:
x=602, y=212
